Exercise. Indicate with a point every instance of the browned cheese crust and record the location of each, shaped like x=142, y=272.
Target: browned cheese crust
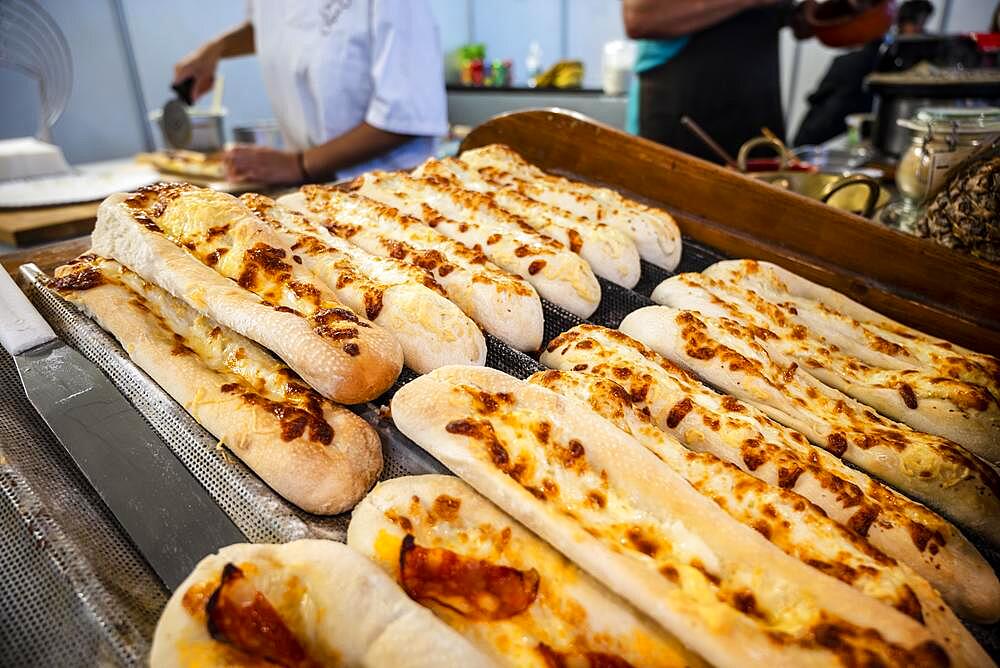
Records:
x=208, y=250
x=706, y=421
x=316, y=454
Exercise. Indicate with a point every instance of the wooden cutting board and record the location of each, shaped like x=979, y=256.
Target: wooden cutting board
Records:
x=23, y=227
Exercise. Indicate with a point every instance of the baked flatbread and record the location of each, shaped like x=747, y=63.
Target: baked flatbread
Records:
x=609, y=252
x=958, y=410
x=789, y=521
x=186, y=163
x=403, y=299
x=626, y=518
x=925, y=467
x=316, y=454
x=507, y=591
x=877, y=339
x=736, y=432
x=306, y=604
x=502, y=303
x=653, y=230
x=474, y=219
x=210, y=251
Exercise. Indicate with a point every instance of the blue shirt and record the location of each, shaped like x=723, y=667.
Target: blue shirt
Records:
x=649, y=54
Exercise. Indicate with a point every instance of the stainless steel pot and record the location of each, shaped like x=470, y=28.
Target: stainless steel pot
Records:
x=857, y=193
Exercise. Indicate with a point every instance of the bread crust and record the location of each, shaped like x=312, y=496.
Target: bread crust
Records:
x=653, y=231
x=229, y=385
x=474, y=219
x=706, y=421
x=960, y=411
x=342, y=608
x=571, y=613
x=789, y=521
x=609, y=252
x=321, y=360
x=502, y=303
x=881, y=340
x=403, y=299
x=928, y=468
x=434, y=409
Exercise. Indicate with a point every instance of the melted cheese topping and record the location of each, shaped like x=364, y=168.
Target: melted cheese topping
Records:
x=799, y=528
x=384, y=230
x=571, y=614
x=743, y=435
x=844, y=426
x=599, y=204
x=775, y=324
x=521, y=442
x=236, y=247
x=243, y=367
x=475, y=219
x=881, y=340
x=577, y=233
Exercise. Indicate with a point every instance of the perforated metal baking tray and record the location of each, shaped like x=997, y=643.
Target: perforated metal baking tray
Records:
x=73, y=589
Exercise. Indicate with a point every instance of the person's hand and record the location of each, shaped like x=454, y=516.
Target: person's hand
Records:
x=199, y=64
x=262, y=164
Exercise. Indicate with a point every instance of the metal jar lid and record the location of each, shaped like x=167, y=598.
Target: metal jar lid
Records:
x=956, y=120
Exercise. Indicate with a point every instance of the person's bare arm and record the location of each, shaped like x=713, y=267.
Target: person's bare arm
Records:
x=359, y=144
x=202, y=62
x=652, y=19
x=261, y=164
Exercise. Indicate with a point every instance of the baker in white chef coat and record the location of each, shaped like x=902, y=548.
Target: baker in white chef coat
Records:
x=355, y=85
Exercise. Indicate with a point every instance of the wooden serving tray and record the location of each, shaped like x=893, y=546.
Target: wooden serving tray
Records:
x=912, y=280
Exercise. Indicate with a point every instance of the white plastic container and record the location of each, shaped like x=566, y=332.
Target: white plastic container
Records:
x=617, y=62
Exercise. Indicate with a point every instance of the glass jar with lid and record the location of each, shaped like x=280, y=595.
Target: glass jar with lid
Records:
x=942, y=137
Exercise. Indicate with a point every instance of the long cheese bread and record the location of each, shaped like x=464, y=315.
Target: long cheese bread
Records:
x=507, y=591
x=316, y=454
x=306, y=604
x=654, y=231
x=706, y=421
x=925, y=467
x=800, y=528
x=475, y=220
x=609, y=252
x=875, y=338
x=192, y=164
x=626, y=518
x=344, y=357
x=955, y=409
x=502, y=303
x=402, y=298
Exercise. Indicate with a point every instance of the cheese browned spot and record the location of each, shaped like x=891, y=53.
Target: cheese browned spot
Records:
x=575, y=240
x=86, y=278
x=909, y=398
x=849, y=643
x=241, y=616
x=300, y=415
x=474, y=588
x=679, y=412
x=554, y=659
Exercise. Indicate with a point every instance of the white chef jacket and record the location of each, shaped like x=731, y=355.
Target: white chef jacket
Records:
x=328, y=65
